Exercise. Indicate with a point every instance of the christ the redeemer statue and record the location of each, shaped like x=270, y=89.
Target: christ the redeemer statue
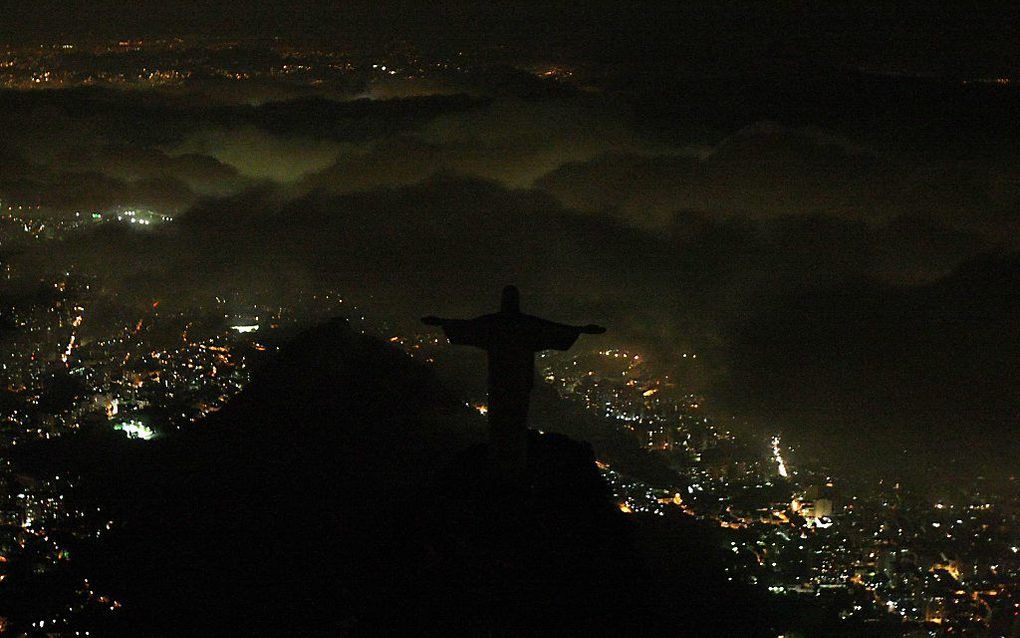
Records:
x=511, y=339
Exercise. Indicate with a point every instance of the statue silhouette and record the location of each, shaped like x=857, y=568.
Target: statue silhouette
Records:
x=511, y=339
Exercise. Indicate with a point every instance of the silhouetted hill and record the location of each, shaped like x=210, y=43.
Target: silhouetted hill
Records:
x=345, y=491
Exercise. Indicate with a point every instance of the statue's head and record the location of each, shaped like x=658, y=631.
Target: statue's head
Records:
x=511, y=300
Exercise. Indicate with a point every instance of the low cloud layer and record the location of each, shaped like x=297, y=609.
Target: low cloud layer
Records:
x=834, y=284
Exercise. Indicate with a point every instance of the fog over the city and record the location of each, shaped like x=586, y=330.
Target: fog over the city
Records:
x=854, y=288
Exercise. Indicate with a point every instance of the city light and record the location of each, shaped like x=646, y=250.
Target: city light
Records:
x=135, y=430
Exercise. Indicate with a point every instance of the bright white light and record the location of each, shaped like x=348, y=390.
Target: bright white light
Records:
x=779, y=457
x=243, y=329
x=135, y=430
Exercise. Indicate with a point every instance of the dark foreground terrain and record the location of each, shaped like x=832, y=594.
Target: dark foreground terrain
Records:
x=346, y=491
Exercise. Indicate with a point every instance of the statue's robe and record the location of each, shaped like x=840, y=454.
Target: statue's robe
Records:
x=511, y=340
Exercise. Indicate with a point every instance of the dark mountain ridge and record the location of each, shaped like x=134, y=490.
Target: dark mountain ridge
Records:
x=346, y=491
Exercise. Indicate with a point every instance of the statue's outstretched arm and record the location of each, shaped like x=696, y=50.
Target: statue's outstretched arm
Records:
x=590, y=329
x=560, y=336
x=466, y=332
x=433, y=320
